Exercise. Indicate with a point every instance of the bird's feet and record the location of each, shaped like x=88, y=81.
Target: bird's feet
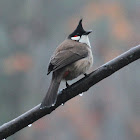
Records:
x=85, y=74
x=67, y=85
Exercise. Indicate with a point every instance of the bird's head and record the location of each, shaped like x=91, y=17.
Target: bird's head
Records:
x=80, y=35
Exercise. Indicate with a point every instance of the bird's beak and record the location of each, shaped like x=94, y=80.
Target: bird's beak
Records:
x=87, y=32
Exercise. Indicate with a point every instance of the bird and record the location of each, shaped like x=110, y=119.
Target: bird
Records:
x=72, y=58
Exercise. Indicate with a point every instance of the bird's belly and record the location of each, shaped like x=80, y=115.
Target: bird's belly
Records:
x=77, y=68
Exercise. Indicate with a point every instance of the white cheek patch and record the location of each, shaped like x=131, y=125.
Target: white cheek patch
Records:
x=75, y=38
x=85, y=39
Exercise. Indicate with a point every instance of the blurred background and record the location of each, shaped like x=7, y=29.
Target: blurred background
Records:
x=30, y=30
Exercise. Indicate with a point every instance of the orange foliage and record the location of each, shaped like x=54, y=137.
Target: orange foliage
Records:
x=18, y=63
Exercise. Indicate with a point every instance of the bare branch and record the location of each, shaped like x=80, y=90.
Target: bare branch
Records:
x=80, y=86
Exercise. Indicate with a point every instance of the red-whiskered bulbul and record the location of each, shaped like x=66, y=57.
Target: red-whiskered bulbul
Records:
x=71, y=58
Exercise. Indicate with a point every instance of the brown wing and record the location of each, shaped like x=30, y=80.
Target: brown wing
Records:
x=68, y=55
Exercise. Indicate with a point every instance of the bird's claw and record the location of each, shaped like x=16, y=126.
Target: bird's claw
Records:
x=85, y=74
x=67, y=85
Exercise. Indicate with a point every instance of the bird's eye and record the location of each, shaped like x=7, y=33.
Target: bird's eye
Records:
x=75, y=35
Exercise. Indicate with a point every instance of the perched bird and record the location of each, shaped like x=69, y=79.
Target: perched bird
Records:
x=71, y=58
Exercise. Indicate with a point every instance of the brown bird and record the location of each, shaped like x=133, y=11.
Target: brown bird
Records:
x=71, y=58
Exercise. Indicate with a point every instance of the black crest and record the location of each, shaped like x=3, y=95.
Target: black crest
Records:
x=78, y=31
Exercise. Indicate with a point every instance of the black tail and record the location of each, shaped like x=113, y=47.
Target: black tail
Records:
x=51, y=96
